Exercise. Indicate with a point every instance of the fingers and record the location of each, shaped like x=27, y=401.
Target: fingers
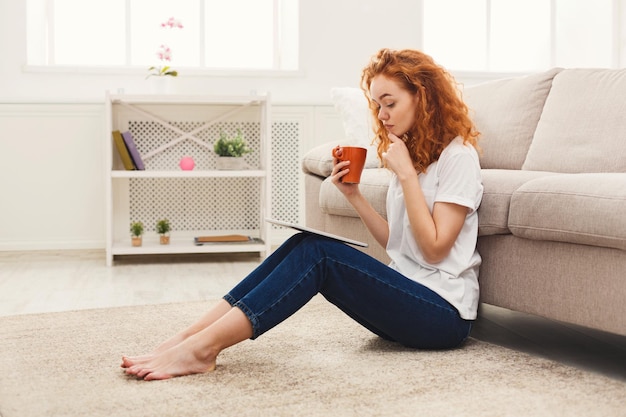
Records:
x=337, y=174
x=395, y=149
x=339, y=167
x=393, y=138
x=337, y=151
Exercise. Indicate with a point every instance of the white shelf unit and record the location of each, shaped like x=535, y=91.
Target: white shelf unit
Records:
x=201, y=202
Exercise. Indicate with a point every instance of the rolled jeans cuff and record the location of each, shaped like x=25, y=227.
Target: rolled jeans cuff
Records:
x=249, y=314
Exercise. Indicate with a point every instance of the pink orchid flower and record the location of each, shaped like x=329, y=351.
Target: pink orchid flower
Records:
x=172, y=23
x=164, y=53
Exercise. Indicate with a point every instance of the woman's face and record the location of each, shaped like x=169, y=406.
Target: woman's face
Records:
x=396, y=106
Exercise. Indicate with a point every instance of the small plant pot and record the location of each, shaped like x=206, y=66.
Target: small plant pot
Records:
x=136, y=240
x=231, y=162
x=164, y=239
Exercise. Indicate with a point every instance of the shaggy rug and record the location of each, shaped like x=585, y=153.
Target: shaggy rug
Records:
x=317, y=363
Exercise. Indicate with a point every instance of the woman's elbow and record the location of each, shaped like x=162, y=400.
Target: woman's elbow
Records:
x=435, y=255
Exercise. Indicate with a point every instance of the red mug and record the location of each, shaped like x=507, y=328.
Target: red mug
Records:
x=356, y=155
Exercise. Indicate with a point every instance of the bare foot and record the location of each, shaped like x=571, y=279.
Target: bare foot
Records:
x=128, y=361
x=210, y=317
x=196, y=353
x=183, y=359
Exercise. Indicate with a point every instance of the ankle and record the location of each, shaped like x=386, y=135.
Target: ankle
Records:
x=206, y=354
x=201, y=350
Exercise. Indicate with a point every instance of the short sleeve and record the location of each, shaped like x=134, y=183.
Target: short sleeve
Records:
x=459, y=177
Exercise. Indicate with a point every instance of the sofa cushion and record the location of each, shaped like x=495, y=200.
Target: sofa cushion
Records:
x=319, y=160
x=499, y=185
x=577, y=208
x=582, y=126
x=506, y=113
x=374, y=184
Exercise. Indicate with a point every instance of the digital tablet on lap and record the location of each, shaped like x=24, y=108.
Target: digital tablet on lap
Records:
x=317, y=232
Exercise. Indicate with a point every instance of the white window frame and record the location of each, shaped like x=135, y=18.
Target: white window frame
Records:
x=41, y=49
x=619, y=21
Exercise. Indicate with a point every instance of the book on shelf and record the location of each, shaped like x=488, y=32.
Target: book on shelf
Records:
x=207, y=240
x=123, y=151
x=132, y=149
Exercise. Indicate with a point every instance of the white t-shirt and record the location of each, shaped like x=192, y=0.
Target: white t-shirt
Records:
x=454, y=178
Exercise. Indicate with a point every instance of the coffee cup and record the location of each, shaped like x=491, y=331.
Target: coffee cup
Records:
x=356, y=155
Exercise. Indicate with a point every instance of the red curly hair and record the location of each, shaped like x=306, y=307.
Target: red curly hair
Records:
x=441, y=113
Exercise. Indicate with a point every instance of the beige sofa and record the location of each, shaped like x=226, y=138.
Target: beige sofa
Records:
x=553, y=217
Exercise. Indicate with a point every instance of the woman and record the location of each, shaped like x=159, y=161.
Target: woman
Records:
x=427, y=297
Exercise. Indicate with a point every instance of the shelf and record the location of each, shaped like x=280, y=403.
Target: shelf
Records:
x=248, y=173
x=151, y=246
x=165, y=127
x=186, y=99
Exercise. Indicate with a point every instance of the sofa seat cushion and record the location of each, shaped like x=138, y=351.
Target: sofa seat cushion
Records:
x=582, y=125
x=586, y=209
x=374, y=184
x=319, y=160
x=499, y=186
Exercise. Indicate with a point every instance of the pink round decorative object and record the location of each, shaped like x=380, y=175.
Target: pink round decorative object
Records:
x=187, y=163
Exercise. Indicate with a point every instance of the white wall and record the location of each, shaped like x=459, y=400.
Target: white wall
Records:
x=337, y=38
x=51, y=176
x=52, y=131
x=52, y=123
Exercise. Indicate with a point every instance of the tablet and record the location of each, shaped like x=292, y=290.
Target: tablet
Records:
x=317, y=232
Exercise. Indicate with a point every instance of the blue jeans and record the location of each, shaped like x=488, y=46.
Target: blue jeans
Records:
x=376, y=296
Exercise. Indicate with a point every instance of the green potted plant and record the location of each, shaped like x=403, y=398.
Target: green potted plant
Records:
x=230, y=151
x=163, y=229
x=136, y=233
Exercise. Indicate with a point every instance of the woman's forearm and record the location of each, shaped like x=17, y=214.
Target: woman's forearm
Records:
x=419, y=215
x=436, y=232
x=375, y=223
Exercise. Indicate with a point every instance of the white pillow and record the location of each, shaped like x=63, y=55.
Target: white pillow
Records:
x=355, y=114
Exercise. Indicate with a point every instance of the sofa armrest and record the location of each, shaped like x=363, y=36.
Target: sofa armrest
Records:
x=319, y=160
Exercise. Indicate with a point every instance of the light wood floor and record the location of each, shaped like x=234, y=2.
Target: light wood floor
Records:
x=37, y=282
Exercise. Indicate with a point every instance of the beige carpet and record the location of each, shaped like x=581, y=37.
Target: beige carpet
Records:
x=317, y=363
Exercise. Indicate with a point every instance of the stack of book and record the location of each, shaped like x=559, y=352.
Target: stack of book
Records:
x=127, y=149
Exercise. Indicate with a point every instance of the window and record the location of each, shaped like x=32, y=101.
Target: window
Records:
x=216, y=34
x=520, y=36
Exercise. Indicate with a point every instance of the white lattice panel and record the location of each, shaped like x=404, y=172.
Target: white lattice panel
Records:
x=150, y=135
x=198, y=203
x=285, y=171
x=213, y=203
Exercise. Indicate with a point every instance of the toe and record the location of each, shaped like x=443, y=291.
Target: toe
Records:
x=154, y=376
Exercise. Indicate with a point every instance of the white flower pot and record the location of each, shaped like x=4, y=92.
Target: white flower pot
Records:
x=231, y=162
x=163, y=84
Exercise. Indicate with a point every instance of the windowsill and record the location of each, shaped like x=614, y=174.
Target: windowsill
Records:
x=233, y=73
x=491, y=75
x=188, y=72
